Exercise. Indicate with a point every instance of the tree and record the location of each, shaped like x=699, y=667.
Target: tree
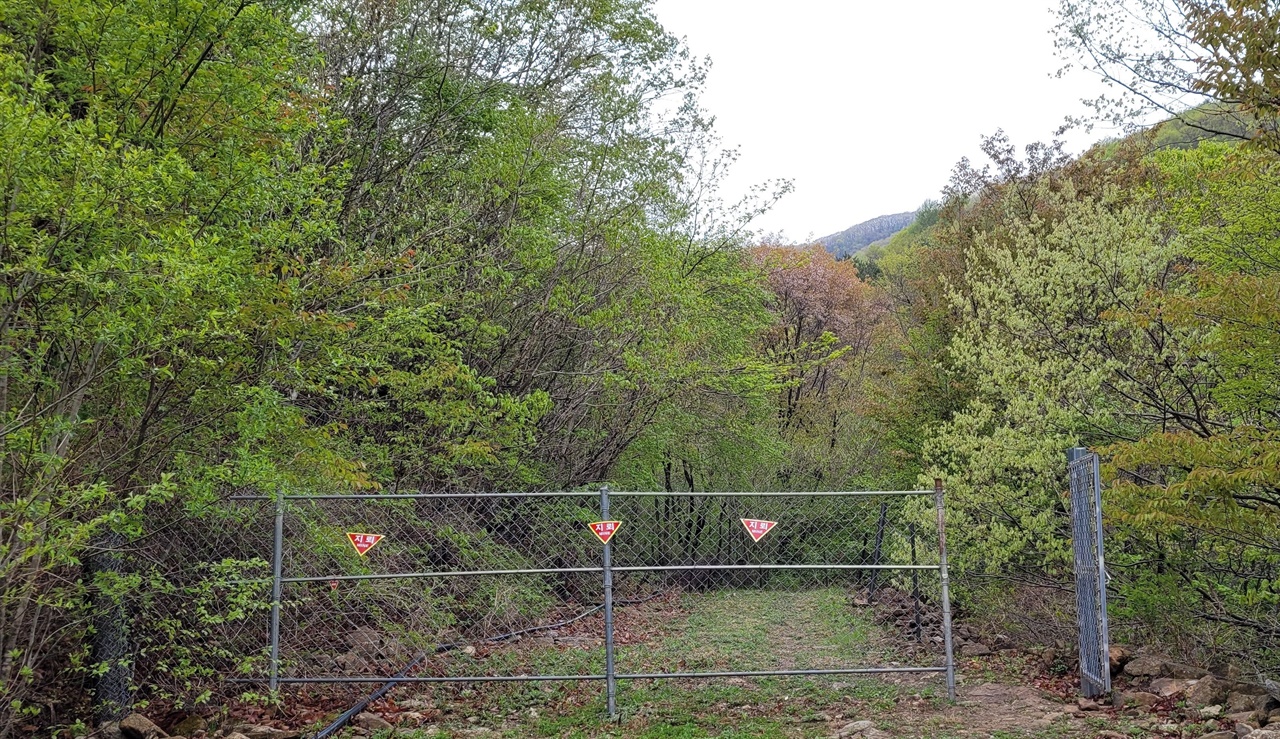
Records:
x=1211, y=65
x=154, y=206
x=1123, y=303
x=829, y=324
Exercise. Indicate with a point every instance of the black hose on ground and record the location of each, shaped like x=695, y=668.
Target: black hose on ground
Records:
x=355, y=710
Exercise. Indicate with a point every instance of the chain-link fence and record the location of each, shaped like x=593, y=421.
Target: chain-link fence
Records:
x=329, y=592
x=376, y=587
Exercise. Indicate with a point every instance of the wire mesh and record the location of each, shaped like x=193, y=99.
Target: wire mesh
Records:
x=510, y=587
x=458, y=569
x=418, y=587
x=109, y=641
x=817, y=582
x=196, y=597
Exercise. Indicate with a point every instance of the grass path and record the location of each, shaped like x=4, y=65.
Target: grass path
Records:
x=735, y=630
x=754, y=630
x=721, y=631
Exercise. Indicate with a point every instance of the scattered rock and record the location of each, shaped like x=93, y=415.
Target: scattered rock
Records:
x=1145, y=666
x=1211, y=712
x=1088, y=704
x=862, y=730
x=1239, y=703
x=1264, y=734
x=190, y=725
x=1119, y=656
x=235, y=735
x=372, y=722
x=137, y=726
x=352, y=662
x=1220, y=735
x=365, y=637
x=1244, y=729
x=1207, y=691
x=469, y=650
x=1137, y=698
x=1273, y=717
x=110, y=730
x=372, y=645
x=1167, y=686
x=974, y=649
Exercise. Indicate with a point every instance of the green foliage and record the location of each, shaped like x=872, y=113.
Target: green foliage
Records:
x=237, y=256
x=150, y=185
x=1134, y=314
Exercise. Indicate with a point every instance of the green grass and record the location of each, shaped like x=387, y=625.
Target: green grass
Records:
x=758, y=630
x=723, y=631
x=726, y=631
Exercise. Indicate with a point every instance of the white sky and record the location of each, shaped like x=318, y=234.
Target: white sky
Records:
x=868, y=104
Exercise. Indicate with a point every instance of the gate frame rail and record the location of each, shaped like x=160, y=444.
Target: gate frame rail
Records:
x=606, y=568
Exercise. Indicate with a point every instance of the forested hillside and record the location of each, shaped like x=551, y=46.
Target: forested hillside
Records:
x=459, y=246
x=854, y=238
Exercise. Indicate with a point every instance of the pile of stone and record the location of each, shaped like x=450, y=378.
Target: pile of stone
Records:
x=1249, y=707
x=899, y=609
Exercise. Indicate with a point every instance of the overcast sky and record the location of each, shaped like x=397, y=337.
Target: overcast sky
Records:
x=866, y=104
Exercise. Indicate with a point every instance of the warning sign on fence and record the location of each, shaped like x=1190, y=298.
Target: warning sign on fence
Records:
x=758, y=528
x=363, y=542
x=604, y=530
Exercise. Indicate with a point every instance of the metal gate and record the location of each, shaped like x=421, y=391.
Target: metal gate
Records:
x=364, y=586
x=1091, y=572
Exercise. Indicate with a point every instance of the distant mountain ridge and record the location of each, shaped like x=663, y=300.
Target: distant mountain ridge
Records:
x=855, y=238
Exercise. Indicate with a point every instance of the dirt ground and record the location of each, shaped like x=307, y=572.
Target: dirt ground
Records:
x=1003, y=696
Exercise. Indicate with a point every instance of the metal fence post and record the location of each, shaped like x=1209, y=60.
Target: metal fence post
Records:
x=611, y=685
x=946, y=589
x=1104, y=635
x=276, y=565
x=1091, y=586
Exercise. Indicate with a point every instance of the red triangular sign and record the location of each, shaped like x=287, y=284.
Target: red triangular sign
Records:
x=758, y=528
x=363, y=542
x=604, y=530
